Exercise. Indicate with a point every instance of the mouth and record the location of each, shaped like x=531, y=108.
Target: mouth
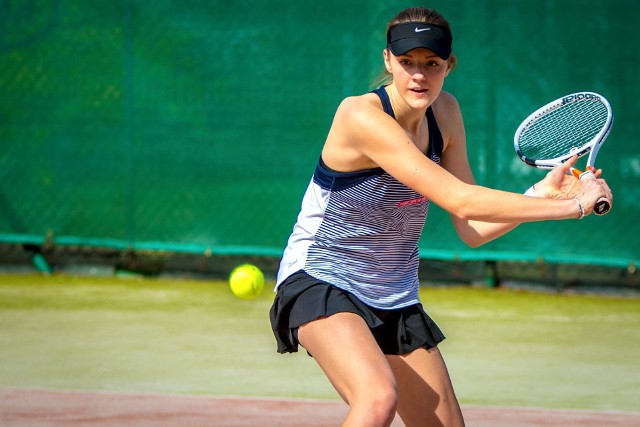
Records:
x=418, y=90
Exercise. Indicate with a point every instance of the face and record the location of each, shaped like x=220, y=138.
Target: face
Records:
x=418, y=75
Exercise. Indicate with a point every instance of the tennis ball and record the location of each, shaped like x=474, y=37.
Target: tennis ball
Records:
x=246, y=281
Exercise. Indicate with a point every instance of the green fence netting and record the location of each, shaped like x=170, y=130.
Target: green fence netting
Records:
x=195, y=126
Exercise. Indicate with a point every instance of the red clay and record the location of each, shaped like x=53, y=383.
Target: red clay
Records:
x=57, y=408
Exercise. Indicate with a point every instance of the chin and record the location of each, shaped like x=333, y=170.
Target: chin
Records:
x=422, y=101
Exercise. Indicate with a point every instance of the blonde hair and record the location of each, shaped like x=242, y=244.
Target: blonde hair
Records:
x=415, y=14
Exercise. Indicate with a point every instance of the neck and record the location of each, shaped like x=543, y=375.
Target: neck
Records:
x=411, y=119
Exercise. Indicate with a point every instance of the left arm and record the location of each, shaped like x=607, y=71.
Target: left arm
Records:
x=557, y=184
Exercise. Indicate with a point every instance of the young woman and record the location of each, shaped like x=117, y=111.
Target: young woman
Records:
x=347, y=287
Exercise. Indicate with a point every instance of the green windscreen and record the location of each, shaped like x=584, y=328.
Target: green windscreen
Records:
x=195, y=126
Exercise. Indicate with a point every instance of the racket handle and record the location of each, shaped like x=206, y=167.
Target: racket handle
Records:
x=603, y=205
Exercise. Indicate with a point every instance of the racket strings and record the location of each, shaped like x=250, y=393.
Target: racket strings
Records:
x=568, y=127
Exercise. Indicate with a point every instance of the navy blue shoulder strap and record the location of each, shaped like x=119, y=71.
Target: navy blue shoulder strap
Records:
x=384, y=98
x=436, y=144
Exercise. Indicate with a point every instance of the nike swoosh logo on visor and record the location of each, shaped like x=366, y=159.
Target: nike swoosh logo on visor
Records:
x=419, y=30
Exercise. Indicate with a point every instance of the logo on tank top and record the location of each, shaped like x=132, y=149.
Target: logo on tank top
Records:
x=412, y=202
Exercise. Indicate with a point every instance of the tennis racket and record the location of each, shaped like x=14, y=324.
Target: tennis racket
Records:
x=574, y=124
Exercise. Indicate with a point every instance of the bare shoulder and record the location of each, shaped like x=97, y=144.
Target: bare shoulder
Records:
x=355, y=114
x=358, y=106
x=351, y=131
x=446, y=104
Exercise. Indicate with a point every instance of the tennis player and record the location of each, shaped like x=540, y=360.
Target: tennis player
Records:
x=347, y=286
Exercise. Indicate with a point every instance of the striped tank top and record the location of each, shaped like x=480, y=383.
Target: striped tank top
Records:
x=359, y=231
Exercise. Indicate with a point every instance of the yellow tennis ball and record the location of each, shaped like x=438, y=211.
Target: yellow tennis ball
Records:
x=246, y=281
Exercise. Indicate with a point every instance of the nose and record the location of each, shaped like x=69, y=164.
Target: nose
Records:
x=419, y=73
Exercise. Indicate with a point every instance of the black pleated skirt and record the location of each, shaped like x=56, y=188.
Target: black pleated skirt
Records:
x=302, y=299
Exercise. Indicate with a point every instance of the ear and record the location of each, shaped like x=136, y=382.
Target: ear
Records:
x=452, y=62
x=446, y=73
x=387, y=59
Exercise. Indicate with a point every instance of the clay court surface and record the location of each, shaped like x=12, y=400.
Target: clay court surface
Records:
x=111, y=338
x=44, y=408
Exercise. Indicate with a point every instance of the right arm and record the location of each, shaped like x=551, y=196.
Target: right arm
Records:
x=367, y=136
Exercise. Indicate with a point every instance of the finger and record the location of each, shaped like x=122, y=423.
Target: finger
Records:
x=566, y=166
x=606, y=188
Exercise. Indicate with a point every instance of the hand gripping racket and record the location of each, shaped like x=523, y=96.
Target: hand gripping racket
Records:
x=574, y=124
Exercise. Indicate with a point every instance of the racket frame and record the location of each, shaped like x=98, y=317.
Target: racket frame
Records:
x=592, y=147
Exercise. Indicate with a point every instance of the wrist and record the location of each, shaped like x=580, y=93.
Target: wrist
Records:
x=580, y=207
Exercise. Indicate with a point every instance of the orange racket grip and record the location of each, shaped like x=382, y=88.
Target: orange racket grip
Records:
x=576, y=172
x=603, y=205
